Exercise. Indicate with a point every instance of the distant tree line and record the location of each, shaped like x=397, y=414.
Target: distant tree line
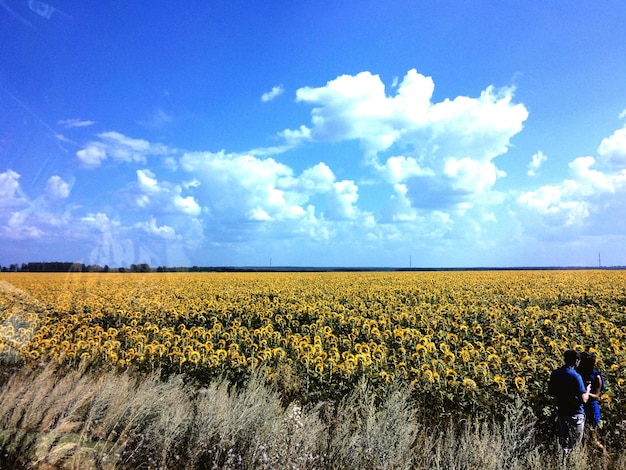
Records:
x=67, y=267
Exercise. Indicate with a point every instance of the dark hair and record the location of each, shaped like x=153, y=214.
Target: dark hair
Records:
x=571, y=356
x=586, y=366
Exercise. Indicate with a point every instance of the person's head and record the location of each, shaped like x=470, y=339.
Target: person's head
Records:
x=587, y=364
x=571, y=357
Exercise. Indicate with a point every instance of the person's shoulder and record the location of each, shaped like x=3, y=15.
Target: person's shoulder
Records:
x=560, y=371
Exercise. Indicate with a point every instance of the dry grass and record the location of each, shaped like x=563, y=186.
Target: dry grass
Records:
x=77, y=420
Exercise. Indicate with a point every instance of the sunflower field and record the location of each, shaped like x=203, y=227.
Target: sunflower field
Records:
x=469, y=341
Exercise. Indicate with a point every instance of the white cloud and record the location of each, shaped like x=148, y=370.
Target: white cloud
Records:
x=9, y=186
x=399, y=208
x=71, y=123
x=557, y=205
x=316, y=179
x=273, y=93
x=537, y=160
x=20, y=227
x=243, y=187
x=590, y=201
x=342, y=201
x=591, y=182
x=186, y=205
x=400, y=168
x=357, y=107
x=163, y=196
x=100, y=221
x=471, y=176
x=163, y=231
x=612, y=149
x=478, y=128
x=120, y=148
x=56, y=188
x=147, y=181
x=294, y=136
x=351, y=107
x=449, y=145
x=92, y=155
x=239, y=188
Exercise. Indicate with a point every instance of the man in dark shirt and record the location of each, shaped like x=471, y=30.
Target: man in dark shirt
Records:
x=567, y=386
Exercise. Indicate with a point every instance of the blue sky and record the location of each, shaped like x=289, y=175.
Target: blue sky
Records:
x=348, y=133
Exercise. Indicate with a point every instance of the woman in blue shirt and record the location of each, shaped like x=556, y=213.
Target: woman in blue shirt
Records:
x=587, y=369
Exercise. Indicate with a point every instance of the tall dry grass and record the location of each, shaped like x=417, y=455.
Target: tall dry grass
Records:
x=75, y=419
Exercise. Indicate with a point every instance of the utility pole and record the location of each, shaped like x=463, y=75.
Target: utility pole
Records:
x=410, y=262
x=599, y=261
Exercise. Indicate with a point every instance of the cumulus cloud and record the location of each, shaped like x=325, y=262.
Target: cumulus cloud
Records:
x=120, y=148
x=537, y=160
x=163, y=231
x=399, y=208
x=9, y=186
x=244, y=187
x=273, y=93
x=23, y=218
x=591, y=199
x=342, y=201
x=400, y=168
x=20, y=227
x=471, y=176
x=163, y=196
x=357, y=107
x=612, y=149
x=56, y=188
x=240, y=188
x=450, y=144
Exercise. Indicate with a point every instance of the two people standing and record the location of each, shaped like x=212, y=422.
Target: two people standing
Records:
x=576, y=386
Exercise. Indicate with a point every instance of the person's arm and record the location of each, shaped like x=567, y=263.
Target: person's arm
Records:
x=584, y=397
x=596, y=388
x=582, y=390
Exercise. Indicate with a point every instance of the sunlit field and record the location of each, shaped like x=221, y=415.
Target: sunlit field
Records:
x=464, y=345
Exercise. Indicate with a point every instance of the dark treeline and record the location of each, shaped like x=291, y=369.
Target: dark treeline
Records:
x=68, y=267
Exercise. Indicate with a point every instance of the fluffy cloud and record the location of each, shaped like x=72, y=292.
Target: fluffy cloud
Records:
x=240, y=189
x=342, y=201
x=591, y=200
x=357, y=107
x=451, y=143
x=120, y=148
x=56, y=188
x=273, y=93
x=22, y=218
x=163, y=231
x=20, y=226
x=9, y=186
x=401, y=168
x=537, y=160
x=163, y=196
x=612, y=149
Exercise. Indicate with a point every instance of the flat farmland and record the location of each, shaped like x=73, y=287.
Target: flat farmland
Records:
x=468, y=342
